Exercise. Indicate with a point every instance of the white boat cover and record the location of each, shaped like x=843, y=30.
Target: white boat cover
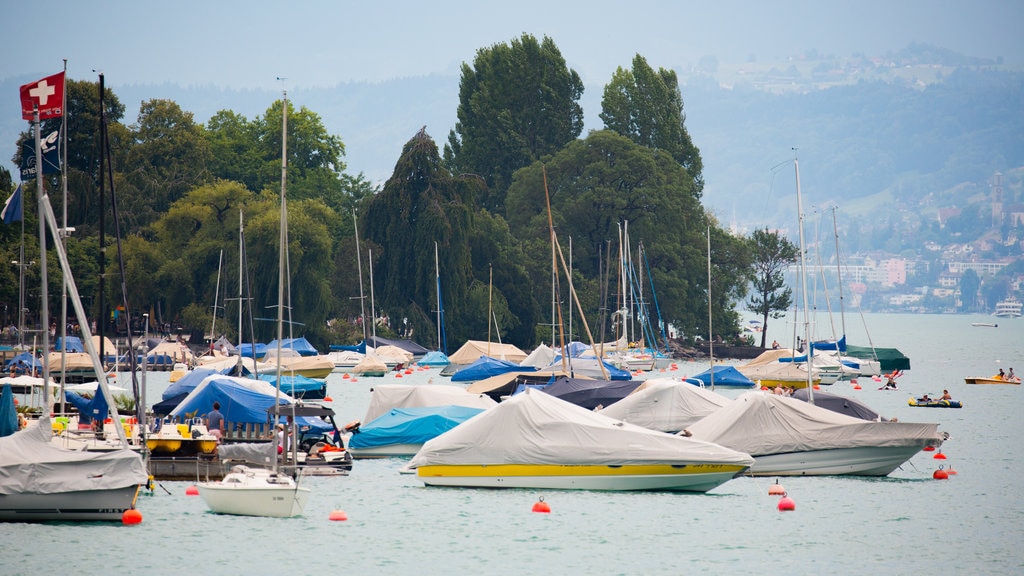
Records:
x=540, y=357
x=665, y=404
x=392, y=353
x=537, y=428
x=32, y=464
x=760, y=423
x=387, y=396
x=767, y=367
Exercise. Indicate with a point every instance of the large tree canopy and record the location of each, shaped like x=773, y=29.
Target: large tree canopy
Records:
x=597, y=186
x=773, y=253
x=518, y=102
x=647, y=107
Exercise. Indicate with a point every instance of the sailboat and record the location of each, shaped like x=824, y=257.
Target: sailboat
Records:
x=246, y=491
x=40, y=480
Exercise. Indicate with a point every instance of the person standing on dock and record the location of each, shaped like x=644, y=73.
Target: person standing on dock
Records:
x=215, y=422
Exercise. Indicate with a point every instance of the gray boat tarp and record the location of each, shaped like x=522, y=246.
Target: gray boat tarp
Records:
x=840, y=404
x=665, y=404
x=537, y=428
x=31, y=464
x=589, y=393
x=385, y=397
x=255, y=453
x=760, y=424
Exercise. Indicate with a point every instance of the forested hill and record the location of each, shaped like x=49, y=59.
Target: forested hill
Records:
x=877, y=148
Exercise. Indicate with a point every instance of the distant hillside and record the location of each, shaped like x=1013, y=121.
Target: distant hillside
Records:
x=873, y=147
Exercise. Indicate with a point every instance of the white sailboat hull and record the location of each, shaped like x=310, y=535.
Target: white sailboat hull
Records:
x=696, y=477
x=860, y=461
x=254, y=492
x=78, y=506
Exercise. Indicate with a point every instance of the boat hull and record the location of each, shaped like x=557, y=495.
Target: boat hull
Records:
x=696, y=477
x=270, y=500
x=79, y=506
x=991, y=381
x=936, y=403
x=385, y=451
x=860, y=461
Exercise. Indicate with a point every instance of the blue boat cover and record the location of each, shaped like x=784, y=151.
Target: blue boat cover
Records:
x=187, y=383
x=73, y=343
x=255, y=351
x=407, y=345
x=839, y=345
x=361, y=347
x=727, y=376
x=434, y=358
x=8, y=413
x=485, y=367
x=89, y=409
x=297, y=385
x=588, y=364
x=238, y=403
x=300, y=345
x=410, y=425
x=25, y=362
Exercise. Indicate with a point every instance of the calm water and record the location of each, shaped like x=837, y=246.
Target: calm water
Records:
x=906, y=523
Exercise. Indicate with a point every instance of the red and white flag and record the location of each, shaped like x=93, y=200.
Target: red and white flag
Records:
x=47, y=93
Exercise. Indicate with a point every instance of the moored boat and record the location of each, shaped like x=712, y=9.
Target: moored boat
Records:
x=934, y=403
x=249, y=491
x=1009, y=308
x=534, y=440
x=992, y=380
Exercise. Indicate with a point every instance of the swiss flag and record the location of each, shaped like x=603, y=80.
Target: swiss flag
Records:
x=48, y=93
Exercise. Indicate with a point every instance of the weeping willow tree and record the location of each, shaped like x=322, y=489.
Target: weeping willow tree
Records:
x=422, y=203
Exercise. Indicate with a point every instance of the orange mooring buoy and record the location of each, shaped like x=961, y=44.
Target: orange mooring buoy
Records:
x=337, y=516
x=191, y=491
x=131, y=516
x=856, y=386
x=776, y=489
x=786, y=504
x=929, y=448
x=939, y=455
x=541, y=506
x=950, y=471
x=940, y=474
x=345, y=376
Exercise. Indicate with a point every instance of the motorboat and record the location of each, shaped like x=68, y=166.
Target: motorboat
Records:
x=789, y=437
x=666, y=405
x=402, y=431
x=535, y=440
x=385, y=397
x=246, y=491
x=41, y=481
x=997, y=379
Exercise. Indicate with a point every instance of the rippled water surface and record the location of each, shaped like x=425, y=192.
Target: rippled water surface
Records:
x=907, y=523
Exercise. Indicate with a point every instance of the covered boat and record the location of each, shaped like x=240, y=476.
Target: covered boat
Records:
x=402, y=431
x=589, y=393
x=889, y=359
x=485, y=367
x=370, y=366
x=767, y=371
x=474, y=349
x=434, y=359
x=724, y=376
x=40, y=481
x=534, y=440
x=298, y=386
x=666, y=405
x=389, y=396
x=789, y=437
x=840, y=404
x=589, y=366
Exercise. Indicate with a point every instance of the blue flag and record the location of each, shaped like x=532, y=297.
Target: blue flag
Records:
x=12, y=208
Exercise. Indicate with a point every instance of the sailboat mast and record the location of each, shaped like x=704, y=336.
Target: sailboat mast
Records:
x=216, y=294
x=359, y=264
x=803, y=281
x=44, y=316
x=373, y=306
x=437, y=280
x=282, y=249
x=839, y=274
x=711, y=337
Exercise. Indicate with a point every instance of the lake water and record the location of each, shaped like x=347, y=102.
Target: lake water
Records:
x=906, y=523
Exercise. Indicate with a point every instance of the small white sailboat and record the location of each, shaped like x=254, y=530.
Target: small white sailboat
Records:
x=249, y=491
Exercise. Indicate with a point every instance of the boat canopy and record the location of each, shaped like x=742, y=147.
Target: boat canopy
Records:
x=242, y=401
x=300, y=345
x=840, y=404
x=89, y=409
x=410, y=425
x=540, y=357
x=485, y=367
x=665, y=404
x=889, y=359
x=70, y=343
x=255, y=351
x=386, y=397
x=589, y=393
x=8, y=413
x=727, y=376
x=537, y=428
x=474, y=349
x=434, y=358
x=759, y=423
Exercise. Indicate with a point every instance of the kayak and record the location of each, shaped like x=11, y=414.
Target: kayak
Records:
x=933, y=403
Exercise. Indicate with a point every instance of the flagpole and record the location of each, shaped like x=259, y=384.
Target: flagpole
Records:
x=63, y=235
x=44, y=311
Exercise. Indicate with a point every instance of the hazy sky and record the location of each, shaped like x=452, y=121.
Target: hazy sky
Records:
x=320, y=43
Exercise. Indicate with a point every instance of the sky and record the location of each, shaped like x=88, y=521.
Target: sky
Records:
x=323, y=43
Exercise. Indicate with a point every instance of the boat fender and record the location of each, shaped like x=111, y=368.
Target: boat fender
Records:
x=352, y=426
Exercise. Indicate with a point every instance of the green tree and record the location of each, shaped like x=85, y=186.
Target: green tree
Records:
x=772, y=254
x=596, y=186
x=647, y=107
x=518, y=102
x=422, y=203
x=969, y=289
x=234, y=149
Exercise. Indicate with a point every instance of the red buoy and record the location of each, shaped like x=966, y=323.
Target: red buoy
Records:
x=929, y=448
x=856, y=386
x=398, y=374
x=131, y=516
x=776, y=489
x=541, y=506
x=950, y=471
x=328, y=399
x=337, y=516
x=786, y=504
x=191, y=491
x=940, y=474
x=939, y=455
x=345, y=376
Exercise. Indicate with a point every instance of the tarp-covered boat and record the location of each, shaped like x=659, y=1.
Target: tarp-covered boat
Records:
x=725, y=376
x=789, y=437
x=589, y=393
x=485, y=367
x=402, y=431
x=386, y=397
x=534, y=440
x=666, y=405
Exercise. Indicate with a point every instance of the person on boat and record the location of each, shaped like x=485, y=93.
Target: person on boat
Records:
x=945, y=395
x=1002, y=375
x=775, y=344
x=924, y=398
x=890, y=383
x=215, y=422
x=1011, y=375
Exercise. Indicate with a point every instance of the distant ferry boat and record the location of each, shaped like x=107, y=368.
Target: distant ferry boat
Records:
x=1009, y=308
